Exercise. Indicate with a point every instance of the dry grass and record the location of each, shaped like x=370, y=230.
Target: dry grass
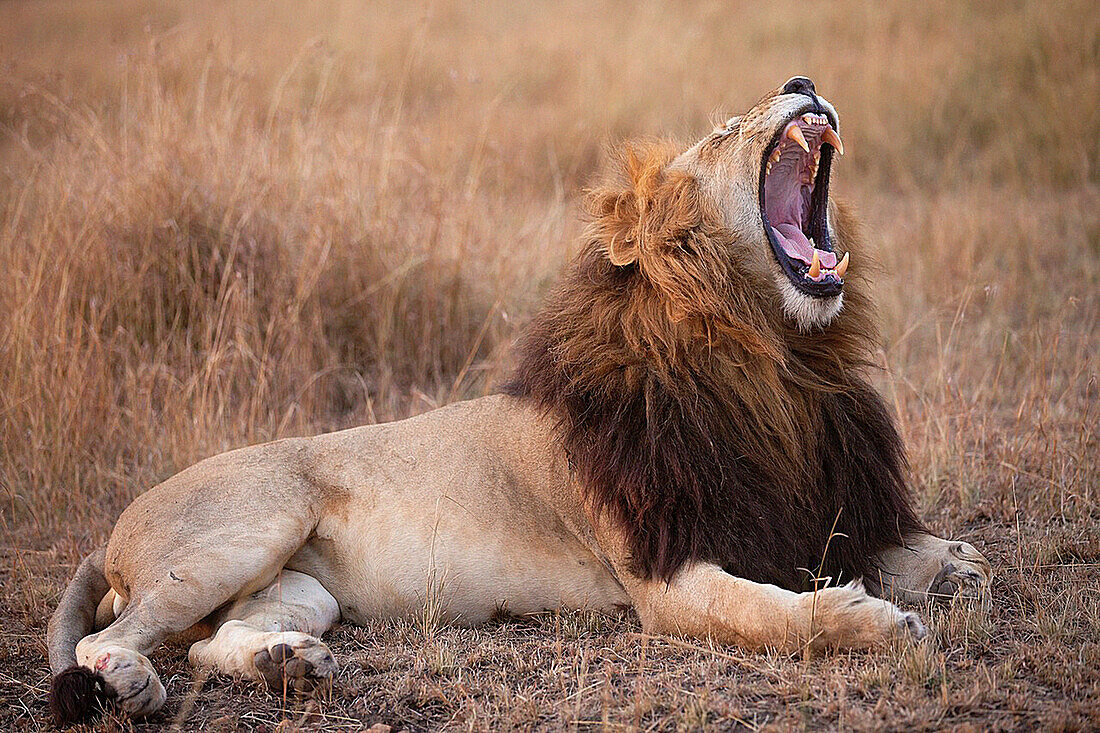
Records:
x=221, y=223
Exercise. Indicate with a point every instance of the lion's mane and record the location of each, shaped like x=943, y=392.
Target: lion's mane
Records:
x=708, y=427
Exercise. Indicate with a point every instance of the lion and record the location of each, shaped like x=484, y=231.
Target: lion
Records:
x=689, y=432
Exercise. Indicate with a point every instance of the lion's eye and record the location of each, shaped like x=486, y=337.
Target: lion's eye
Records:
x=725, y=129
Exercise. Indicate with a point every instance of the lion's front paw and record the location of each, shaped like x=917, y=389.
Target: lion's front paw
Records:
x=966, y=574
x=848, y=618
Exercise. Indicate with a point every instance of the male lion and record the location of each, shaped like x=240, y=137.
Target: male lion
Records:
x=689, y=432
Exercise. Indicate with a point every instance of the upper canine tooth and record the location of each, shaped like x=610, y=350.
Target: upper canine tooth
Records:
x=842, y=266
x=815, y=266
x=774, y=157
x=794, y=132
x=830, y=136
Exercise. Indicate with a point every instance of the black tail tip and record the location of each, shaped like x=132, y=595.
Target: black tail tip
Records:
x=74, y=695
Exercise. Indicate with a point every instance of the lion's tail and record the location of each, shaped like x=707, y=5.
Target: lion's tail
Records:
x=75, y=691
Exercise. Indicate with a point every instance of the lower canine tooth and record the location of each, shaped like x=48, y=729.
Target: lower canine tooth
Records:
x=842, y=266
x=815, y=266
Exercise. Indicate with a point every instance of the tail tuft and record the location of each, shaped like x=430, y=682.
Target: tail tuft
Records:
x=75, y=694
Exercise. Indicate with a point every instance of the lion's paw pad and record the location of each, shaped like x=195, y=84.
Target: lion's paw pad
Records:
x=304, y=665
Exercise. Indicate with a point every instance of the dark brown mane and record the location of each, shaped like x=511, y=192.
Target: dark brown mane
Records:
x=708, y=427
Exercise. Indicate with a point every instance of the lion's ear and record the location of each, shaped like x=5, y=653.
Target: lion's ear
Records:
x=631, y=215
x=615, y=217
x=623, y=251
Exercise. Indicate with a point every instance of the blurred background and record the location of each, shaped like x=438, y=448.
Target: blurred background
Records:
x=226, y=222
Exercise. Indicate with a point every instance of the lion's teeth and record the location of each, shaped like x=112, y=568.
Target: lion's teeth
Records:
x=768, y=168
x=775, y=155
x=830, y=136
x=794, y=132
x=815, y=266
x=842, y=266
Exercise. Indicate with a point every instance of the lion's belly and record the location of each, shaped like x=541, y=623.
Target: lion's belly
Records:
x=445, y=521
x=393, y=566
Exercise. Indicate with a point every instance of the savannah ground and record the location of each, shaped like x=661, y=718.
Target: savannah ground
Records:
x=224, y=223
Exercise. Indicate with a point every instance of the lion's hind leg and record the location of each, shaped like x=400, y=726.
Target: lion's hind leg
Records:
x=173, y=585
x=273, y=635
x=117, y=654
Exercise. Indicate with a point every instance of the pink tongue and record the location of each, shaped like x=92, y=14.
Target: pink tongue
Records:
x=798, y=247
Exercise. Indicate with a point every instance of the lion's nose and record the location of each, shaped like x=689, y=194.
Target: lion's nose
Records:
x=799, y=85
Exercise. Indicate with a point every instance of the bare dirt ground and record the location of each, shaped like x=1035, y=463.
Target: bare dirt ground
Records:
x=224, y=223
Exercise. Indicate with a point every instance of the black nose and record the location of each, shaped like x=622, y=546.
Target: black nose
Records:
x=799, y=85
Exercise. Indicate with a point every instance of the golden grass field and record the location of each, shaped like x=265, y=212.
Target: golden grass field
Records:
x=223, y=223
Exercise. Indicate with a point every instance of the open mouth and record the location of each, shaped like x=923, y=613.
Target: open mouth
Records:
x=794, y=197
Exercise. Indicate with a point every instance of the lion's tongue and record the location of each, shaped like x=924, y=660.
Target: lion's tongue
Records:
x=798, y=247
x=788, y=202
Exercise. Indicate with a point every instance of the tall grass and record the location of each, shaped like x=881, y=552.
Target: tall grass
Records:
x=186, y=282
x=223, y=223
